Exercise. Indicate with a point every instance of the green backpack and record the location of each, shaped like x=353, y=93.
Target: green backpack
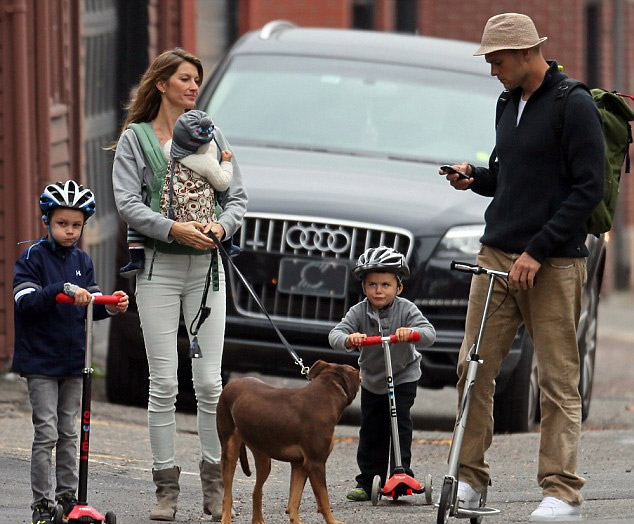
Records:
x=616, y=116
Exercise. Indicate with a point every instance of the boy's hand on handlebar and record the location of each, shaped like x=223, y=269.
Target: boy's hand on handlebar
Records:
x=355, y=339
x=522, y=274
x=82, y=297
x=403, y=334
x=122, y=305
x=226, y=156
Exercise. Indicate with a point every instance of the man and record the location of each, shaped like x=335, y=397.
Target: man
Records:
x=544, y=187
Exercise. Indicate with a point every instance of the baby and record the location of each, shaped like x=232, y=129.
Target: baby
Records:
x=191, y=147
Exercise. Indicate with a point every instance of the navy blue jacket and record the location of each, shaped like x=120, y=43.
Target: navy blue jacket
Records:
x=50, y=338
x=539, y=206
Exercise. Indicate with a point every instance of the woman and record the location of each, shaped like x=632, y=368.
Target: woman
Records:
x=180, y=259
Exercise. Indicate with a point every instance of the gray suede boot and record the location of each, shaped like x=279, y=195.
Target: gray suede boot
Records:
x=167, y=490
x=213, y=489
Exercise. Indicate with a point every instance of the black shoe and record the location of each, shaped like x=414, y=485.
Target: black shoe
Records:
x=67, y=501
x=231, y=249
x=132, y=269
x=136, y=264
x=42, y=512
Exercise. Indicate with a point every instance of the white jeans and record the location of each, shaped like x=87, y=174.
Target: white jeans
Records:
x=178, y=280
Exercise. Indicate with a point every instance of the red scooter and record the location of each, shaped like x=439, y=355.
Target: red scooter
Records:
x=400, y=483
x=82, y=513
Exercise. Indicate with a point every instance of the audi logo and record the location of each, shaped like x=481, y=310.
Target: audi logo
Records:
x=322, y=239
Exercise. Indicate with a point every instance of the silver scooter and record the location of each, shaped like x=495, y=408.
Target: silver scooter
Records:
x=448, y=503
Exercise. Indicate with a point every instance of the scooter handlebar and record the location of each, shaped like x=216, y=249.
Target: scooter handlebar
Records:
x=62, y=298
x=377, y=340
x=476, y=269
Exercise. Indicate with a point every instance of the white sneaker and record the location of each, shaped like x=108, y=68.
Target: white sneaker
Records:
x=553, y=509
x=468, y=498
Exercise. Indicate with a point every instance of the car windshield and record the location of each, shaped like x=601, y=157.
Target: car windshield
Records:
x=356, y=107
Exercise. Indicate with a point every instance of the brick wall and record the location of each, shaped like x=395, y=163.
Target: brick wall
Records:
x=325, y=13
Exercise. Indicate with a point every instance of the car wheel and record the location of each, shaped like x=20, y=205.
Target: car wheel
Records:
x=126, y=364
x=516, y=407
x=587, y=349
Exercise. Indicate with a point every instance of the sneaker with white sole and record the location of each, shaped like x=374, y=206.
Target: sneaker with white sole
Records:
x=468, y=498
x=552, y=509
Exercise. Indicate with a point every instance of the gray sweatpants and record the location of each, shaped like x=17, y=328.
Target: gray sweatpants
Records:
x=55, y=402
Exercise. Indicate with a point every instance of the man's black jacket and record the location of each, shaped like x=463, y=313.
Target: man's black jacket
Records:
x=543, y=187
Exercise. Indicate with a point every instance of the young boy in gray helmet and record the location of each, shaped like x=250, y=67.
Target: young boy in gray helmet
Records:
x=383, y=312
x=191, y=147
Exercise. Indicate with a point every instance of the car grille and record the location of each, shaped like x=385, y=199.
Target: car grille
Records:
x=267, y=240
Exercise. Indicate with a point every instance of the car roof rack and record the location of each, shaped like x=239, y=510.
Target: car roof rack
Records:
x=275, y=26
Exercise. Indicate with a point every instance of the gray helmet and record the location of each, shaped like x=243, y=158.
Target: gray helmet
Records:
x=381, y=259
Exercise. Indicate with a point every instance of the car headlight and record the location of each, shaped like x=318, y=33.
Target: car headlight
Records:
x=460, y=241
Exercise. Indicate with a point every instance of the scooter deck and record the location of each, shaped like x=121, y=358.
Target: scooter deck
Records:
x=464, y=513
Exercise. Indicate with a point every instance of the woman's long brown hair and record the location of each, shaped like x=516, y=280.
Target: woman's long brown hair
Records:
x=146, y=103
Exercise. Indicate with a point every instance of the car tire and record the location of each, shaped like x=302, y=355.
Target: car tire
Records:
x=126, y=375
x=516, y=407
x=588, y=349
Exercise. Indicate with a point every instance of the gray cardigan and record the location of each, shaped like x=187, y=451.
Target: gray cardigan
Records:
x=132, y=180
x=362, y=318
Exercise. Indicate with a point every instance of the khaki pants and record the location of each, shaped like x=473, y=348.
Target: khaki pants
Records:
x=550, y=312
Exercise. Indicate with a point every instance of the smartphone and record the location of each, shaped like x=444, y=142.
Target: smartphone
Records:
x=450, y=170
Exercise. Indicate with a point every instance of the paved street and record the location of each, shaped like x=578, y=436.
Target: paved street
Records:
x=120, y=479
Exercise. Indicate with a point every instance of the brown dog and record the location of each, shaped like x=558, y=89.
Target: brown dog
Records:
x=294, y=425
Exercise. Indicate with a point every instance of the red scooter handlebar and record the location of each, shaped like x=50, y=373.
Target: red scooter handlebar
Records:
x=62, y=298
x=374, y=341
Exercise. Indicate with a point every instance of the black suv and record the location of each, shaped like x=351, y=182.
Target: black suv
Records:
x=339, y=134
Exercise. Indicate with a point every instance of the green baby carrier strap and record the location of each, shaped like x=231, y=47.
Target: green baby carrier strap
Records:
x=154, y=156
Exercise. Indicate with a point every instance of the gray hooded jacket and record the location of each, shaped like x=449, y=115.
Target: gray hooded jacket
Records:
x=362, y=318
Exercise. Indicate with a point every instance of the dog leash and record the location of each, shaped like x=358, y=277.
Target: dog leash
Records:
x=225, y=256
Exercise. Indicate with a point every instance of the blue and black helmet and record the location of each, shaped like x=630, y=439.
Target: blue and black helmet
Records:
x=67, y=194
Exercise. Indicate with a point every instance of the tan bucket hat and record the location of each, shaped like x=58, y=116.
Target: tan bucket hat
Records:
x=508, y=31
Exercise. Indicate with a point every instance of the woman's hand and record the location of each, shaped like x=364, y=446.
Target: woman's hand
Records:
x=216, y=229
x=192, y=234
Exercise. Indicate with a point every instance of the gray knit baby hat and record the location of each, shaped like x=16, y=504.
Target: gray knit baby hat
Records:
x=192, y=129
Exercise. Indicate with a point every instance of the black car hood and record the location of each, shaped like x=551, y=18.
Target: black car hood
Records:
x=397, y=193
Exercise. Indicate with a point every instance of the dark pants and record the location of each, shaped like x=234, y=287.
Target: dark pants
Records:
x=375, y=434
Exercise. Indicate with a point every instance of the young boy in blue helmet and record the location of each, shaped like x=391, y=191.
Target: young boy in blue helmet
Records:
x=383, y=312
x=50, y=340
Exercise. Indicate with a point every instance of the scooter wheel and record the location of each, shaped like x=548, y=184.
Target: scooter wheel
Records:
x=376, y=490
x=111, y=518
x=428, y=490
x=57, y=514
x=445, y=502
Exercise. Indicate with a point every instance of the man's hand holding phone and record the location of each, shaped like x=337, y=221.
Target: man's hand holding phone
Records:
x=457, y=175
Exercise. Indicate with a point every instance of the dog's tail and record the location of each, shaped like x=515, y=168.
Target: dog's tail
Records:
x=244, y=461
